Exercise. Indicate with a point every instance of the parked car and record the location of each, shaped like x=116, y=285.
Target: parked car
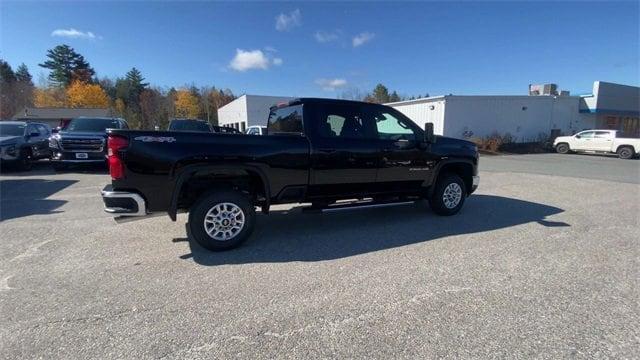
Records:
x=599, y=141
x=22, y=142
x=225, y=130
x=317, y=150
x=189, y=125
x=82, y=141
x=256, y=130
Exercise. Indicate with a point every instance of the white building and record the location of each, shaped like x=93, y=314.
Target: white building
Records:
x=248, y=110
x=526, y=118
x=613, y=106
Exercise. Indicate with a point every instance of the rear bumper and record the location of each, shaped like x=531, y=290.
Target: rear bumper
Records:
x=123, y=203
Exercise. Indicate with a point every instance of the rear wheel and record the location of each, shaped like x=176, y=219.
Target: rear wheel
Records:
x=625, y=152
x=562, y=148
x=448, y=196
x=221, y=220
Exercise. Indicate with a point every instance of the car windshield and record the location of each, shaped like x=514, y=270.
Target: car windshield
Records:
x=12, y=129
x=92, y=125
x=189, y=125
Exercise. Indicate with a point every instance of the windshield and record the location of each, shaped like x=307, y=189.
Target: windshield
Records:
x=189, y=125
x=92, y=125
x=12, y=129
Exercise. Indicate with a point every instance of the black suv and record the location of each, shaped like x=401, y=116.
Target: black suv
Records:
x=82, y=140
x=22, y=142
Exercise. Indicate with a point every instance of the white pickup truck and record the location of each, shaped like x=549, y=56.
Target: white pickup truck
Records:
x=599, y=141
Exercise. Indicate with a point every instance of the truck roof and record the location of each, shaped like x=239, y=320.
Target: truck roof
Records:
x=306, y=100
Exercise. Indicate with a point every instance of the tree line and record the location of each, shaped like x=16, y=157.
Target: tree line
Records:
x=379, y=95
x=72, y=82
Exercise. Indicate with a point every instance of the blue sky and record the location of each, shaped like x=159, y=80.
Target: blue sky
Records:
x=322, y=49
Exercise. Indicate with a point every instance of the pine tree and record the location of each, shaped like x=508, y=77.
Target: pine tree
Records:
x=67, y=65
x=23, y=75
x=136, y=82
x=7, y=76
x=381, y=94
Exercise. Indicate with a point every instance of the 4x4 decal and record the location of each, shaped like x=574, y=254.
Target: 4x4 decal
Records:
x=168, y=139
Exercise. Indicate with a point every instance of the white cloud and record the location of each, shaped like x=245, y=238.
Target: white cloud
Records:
x=251, y=60
x=331, y=84
x=325, y=36
x=73, y=33
x=286, y=22
x=362, y=38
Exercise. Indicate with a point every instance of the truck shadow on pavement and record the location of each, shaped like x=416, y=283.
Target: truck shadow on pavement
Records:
x=26, y=197
x=285, y=236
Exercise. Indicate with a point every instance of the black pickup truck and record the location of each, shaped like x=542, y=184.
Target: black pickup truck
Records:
x=317, y=151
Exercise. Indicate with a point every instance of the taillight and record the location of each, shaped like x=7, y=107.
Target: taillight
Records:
x=116, y=167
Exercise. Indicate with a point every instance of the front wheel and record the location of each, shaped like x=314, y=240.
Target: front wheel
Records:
x=562, y=148
x=448, y=196
x=625, y=152
x=222, y=220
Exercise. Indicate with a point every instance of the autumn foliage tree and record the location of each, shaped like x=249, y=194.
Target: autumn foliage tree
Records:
x=49, y=97
x=83, y=95
x=186, y=104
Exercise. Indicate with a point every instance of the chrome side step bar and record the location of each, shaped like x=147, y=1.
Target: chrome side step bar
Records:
x=356, y=205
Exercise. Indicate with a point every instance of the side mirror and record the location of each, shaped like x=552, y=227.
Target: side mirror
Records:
x=577, y=136
x=429, y=137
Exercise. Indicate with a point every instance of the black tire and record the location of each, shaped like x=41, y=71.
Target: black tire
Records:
x=199, y=210
x=437, y=200
x=24, y=160
x=563, y=148
x=625, y=152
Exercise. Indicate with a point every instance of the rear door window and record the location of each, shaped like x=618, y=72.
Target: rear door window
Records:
x=343, y=121
x=286, y=121
x=603, y=134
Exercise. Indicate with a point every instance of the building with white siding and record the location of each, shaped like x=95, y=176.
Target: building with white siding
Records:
x=248, y=110
x=526, y=118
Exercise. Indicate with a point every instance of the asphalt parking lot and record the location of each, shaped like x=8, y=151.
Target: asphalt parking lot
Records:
x=543, y=261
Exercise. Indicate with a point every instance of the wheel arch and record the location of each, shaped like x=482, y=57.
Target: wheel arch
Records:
x=221, y=174
x=633, y=149
x=461, y=167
